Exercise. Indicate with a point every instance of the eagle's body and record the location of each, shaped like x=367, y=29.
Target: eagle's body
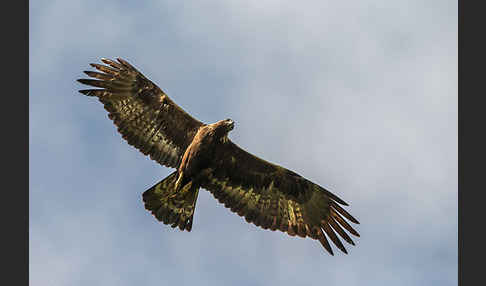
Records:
x=201, y=150
x=199, y=153
x=266, y=194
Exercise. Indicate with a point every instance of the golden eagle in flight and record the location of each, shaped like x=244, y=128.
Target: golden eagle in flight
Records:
x=266, y=194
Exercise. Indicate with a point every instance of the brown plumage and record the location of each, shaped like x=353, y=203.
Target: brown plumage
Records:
x=266, y=194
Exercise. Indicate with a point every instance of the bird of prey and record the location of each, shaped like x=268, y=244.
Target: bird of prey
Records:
x=266, y=194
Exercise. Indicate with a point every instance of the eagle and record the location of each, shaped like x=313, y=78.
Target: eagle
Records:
x=265, y=194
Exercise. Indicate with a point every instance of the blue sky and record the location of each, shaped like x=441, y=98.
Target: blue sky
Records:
x=358, y=96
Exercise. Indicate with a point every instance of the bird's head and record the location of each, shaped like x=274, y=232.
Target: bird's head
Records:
x=223, y=127
x=230, y=124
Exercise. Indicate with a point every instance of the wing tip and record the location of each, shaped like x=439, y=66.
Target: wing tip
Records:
x=84, y=91
x=123, y=62
x=343, y=212
x=89, y=73
x=333, y=196
x=352, y=219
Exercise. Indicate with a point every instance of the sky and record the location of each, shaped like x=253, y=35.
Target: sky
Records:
x=360, y=97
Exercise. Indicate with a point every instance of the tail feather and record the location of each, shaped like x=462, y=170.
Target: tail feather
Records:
x=175, y=208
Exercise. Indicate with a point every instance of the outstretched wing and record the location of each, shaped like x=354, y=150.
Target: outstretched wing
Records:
x=273, y=197
x=145, y=116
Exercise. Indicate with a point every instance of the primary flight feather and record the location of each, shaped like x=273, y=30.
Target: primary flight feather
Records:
x=266, y=194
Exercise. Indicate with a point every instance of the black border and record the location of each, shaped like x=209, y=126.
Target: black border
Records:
x=15, y=135
x=471, y=122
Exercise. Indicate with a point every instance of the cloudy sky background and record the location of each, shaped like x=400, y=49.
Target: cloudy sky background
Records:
x=358, y=96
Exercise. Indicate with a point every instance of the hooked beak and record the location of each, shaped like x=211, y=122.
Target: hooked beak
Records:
x=231, y=124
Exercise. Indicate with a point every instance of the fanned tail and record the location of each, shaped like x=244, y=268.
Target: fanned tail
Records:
x=175, y=208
